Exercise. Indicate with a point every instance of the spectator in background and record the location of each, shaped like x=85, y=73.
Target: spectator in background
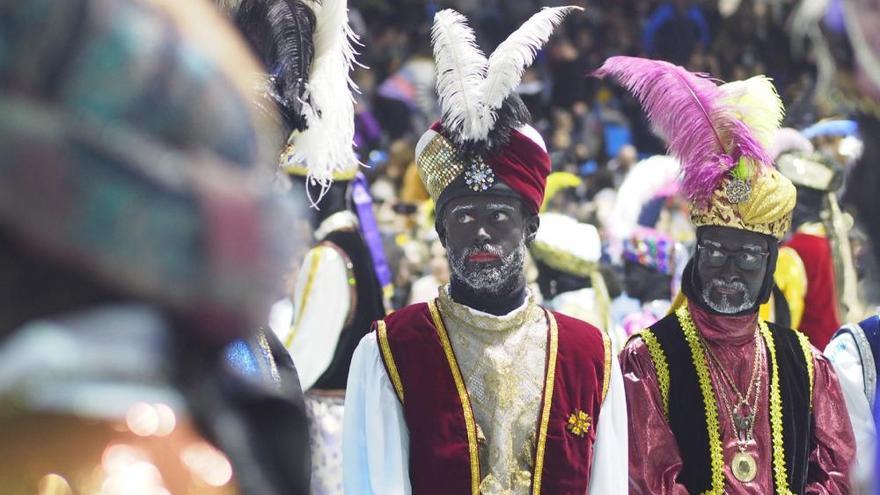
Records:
x=674, y=31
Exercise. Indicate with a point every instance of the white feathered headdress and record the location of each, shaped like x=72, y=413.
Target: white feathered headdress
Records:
x=324, y=150
x=475, y=91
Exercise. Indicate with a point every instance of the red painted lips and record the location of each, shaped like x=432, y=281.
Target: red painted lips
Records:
x=483, y=257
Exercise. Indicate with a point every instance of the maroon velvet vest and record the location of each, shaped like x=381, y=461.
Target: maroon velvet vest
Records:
x=443, y=454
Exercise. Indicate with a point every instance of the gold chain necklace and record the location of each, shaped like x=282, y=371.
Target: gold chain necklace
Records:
x=742, y=416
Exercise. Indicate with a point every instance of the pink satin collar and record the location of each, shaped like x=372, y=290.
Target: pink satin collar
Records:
x=724, y=330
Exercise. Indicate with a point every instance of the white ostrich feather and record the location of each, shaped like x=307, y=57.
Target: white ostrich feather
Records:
x=461, y=68
x=508, y=62
x=640, y=185
x=326, y=146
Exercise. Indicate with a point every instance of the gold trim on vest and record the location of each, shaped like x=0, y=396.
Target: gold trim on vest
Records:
x=606, y=377
x=661, y=367
x=549, y=382
x=469, y=422
x=385, y=347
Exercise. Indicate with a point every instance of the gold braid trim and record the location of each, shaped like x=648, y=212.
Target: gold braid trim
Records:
x=548, y=403
x=808, y=357
x=469, y=422
x=779, y=474
x=606, y=378
x=388, y=357
x=315, y=261
x=716, y=454
x=661, y=366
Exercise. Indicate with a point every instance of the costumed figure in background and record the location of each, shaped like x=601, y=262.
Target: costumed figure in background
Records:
x=279, y=32
x=854, y=351
x=769, y=418
x=845, y=40
x=785, y=307
x=566, y=253
x=139, y=236
x=652, y=260
x=307, y=50
x=481, y=390
x=649, y=264
x=820, y=239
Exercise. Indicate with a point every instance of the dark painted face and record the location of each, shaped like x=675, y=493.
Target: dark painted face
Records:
x=731, y=264
x=485, y=238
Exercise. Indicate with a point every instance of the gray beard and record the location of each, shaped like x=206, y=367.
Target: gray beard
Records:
x=494, y=280
x=725, y=306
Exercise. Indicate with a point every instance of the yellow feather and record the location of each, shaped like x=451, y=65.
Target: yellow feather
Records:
x=756, y=103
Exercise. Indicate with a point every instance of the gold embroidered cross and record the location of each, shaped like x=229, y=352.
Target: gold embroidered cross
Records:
x=579, y=423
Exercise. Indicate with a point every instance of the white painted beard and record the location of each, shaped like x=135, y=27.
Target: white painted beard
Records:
x=725, y=306
x=497, y=279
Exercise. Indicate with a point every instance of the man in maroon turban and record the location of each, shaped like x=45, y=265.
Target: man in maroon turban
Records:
x=482, y=390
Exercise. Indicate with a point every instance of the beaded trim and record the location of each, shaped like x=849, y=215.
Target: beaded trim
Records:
x=661, y=366
x=716, y=453
x=388, y=357
x=463, y=397
x=808, y=357
x=779, y=473
x=548, y=403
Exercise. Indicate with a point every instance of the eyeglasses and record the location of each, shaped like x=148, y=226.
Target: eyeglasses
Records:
x=716, y=257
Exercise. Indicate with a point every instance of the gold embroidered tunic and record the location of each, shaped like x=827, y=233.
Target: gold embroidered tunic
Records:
x=502, y=361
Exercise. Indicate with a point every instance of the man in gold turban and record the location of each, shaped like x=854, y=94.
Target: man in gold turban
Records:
x=727, y=403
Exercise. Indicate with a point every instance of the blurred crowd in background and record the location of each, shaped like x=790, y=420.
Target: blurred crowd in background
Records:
x=592, y=128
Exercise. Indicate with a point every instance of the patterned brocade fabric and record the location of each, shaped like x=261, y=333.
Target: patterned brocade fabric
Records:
x=502, y=360
x=766, y=211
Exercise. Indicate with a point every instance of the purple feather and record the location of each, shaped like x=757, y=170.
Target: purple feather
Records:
x=687, y=109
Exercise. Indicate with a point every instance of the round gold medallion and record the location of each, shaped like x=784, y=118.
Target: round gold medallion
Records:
x=744, y=467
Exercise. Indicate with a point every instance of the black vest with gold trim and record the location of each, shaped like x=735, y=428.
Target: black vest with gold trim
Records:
x=674, y=351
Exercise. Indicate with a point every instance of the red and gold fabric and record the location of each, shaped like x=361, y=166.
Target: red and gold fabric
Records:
x=422, y=366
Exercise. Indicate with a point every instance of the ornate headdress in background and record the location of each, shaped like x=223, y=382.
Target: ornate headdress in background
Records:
x=574, y=248
x=307, y=49
x=483, y=142
x=720, y=133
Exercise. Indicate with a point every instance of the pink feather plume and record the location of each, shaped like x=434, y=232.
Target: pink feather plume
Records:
x=688, y=111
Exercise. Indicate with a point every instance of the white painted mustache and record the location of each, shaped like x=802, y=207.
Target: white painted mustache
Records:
x=486, y=248
x=735, y=285
x=725, y=306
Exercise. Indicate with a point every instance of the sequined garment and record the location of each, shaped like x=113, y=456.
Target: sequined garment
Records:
x=502, y=360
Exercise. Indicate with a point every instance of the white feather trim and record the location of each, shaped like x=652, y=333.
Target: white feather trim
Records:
x=508, y=62
x=640, y=185
x=461, y=67
x=326, y=146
